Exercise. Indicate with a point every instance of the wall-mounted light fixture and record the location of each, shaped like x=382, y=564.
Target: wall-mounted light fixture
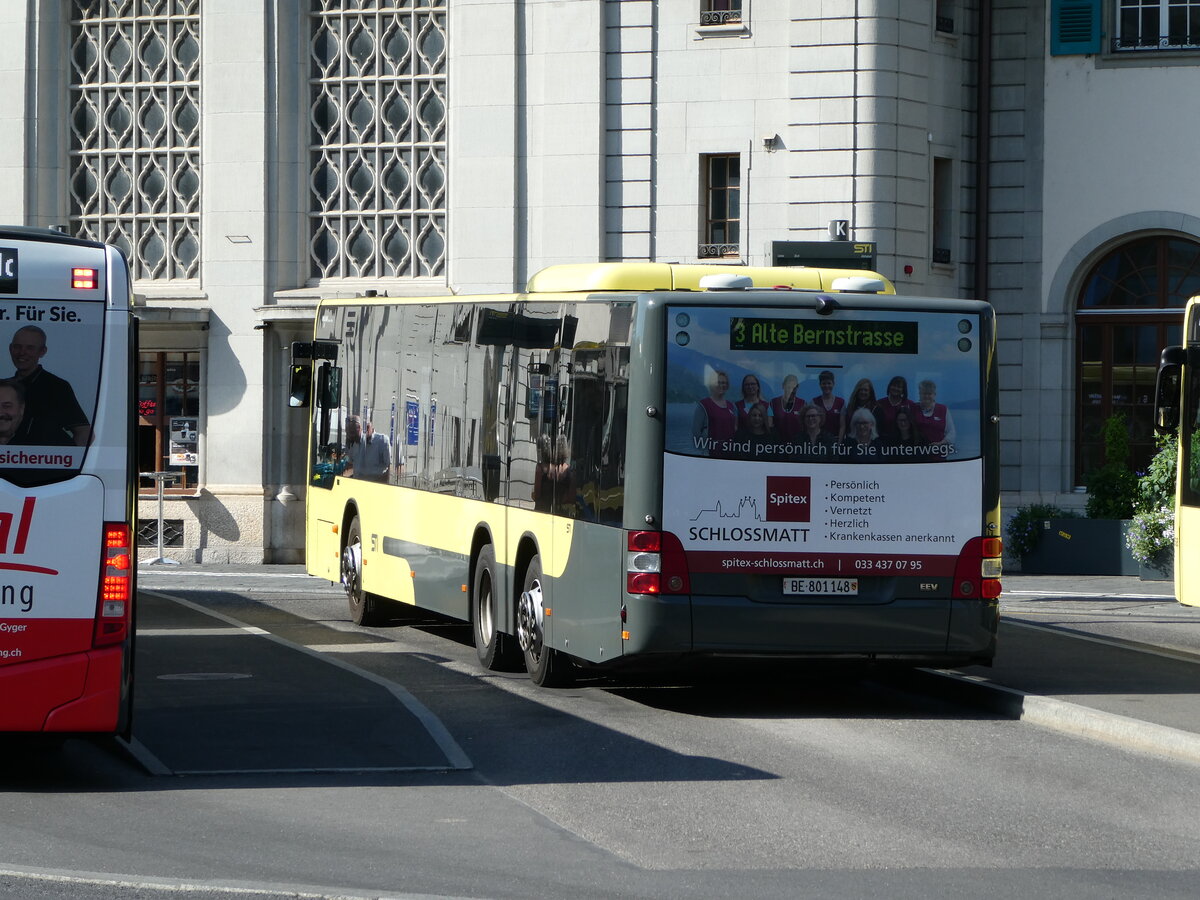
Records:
x=772, y=142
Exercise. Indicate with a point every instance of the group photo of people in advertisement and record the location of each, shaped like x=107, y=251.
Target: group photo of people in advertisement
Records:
x=864, y=404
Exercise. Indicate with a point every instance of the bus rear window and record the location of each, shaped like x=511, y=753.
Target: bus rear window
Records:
x=49, y=392
x=778, y=385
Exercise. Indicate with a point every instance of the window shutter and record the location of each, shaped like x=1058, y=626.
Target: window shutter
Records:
x=1074, y=27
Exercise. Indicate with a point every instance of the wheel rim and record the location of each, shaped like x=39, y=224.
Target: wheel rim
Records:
x=529, y=620
x=483, y=614
x=351, y=567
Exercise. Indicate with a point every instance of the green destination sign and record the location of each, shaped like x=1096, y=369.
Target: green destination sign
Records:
x=819, y=334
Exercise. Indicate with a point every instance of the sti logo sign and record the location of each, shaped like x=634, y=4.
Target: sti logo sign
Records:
x=788, y=498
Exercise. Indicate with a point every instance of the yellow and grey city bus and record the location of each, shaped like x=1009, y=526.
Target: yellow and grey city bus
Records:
x=629, y=462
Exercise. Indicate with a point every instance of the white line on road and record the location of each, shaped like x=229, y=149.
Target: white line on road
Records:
x=455, y=756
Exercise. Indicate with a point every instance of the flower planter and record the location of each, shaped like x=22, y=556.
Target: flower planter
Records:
x=1161, y=568
x=1081, y=547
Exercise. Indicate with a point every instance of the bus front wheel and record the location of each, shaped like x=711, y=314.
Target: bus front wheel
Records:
x=546, y=666
x=365, y=607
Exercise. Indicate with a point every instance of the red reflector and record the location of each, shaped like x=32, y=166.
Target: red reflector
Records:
x=84, y=279
x=991, y=588
x=642, y=582
x=992, y=547
x=646, y=541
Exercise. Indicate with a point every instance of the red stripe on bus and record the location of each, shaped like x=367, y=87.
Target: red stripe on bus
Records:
x=18, y=567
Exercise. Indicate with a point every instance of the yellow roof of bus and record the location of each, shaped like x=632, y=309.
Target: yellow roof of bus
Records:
x=579, y=277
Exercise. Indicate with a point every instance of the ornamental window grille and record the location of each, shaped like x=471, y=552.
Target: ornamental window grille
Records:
x=1157, y=25
x=377, y=152
x=135, y=131
x=721, y=12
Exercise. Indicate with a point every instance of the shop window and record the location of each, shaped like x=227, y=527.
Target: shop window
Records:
x=1129, y=308
x=169, y=418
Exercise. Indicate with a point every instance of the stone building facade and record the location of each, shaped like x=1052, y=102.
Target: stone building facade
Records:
x=252, y=157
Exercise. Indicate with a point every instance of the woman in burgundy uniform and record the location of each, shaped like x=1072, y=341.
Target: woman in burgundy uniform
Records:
x=715, y=421
x=886, y=409
x=751, y=394
x=830, y=405
x=785, y=410
x=933, y=419
x=862, y=397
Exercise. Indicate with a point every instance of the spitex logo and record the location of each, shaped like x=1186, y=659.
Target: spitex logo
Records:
x=788, y=498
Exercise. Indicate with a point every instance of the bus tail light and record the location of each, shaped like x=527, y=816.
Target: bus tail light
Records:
x=655, y=564
x=979, y=567
x=84, y=279
x=115, y=607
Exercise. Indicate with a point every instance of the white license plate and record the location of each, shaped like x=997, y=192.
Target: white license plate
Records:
x=822, y=587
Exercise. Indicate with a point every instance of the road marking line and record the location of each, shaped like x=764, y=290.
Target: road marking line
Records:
x=455, y=756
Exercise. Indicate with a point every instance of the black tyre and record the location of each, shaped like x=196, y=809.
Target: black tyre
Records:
x=496, y=650
x=365, y=608
x=546, y=666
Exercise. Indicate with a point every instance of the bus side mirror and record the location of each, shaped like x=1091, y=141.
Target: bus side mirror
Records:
x=301, y=385
x=1167, y=390
x=329, y=387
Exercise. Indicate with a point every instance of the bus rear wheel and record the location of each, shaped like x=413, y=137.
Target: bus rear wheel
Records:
x=495, y=649
x=365, y=607
x=546, y=666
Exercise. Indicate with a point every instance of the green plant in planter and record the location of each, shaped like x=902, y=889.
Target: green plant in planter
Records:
x=1024, y=529
x=1151, y=536
x=1113, y=488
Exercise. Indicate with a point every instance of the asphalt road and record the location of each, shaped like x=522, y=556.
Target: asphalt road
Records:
x=280, y=749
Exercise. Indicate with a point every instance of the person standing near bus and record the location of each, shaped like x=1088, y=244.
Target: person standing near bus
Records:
x=715, y=421
x=368, y=455
x=52, y=413
x=830, y=405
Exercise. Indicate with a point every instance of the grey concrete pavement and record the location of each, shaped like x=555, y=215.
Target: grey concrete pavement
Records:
x=1111, y=658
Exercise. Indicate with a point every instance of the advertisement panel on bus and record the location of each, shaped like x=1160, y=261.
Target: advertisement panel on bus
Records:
x=822, y=449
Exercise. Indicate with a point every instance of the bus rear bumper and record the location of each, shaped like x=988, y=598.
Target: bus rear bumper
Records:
x=80, y=693
x=922, y=631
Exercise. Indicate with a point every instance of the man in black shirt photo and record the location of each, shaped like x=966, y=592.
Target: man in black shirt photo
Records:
x=52, y=414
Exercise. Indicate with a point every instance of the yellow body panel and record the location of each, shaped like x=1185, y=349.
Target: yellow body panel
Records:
x=583, y=277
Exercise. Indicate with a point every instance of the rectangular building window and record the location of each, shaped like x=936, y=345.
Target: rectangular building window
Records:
x=722, y=188
x=1157, y=25
x=169, y=418
x=943, y=210
x=720, y=12
x=944, y=16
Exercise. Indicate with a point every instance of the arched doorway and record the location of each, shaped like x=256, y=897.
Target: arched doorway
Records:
x=1129, y=307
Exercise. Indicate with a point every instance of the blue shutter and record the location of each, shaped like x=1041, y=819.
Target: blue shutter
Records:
x=1074, y=27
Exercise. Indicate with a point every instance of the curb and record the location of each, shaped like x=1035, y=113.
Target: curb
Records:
x=1069, y=718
